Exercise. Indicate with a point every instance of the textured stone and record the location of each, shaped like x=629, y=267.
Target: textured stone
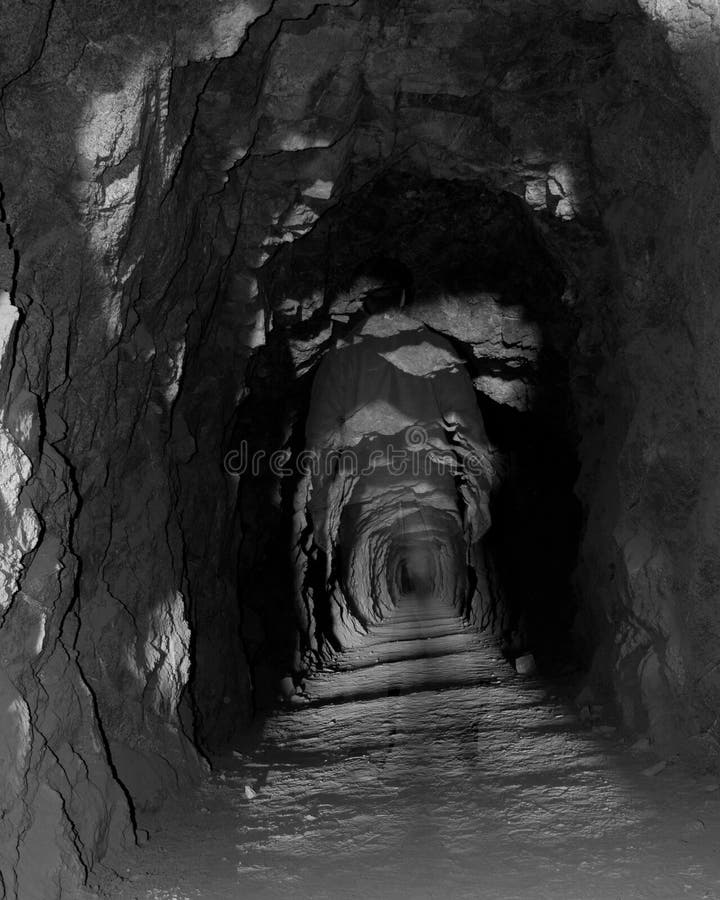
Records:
x=525, y=665
x=153, y=158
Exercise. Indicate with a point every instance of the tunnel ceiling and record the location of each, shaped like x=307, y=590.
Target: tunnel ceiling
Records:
x=460, y=242
x=167, y=171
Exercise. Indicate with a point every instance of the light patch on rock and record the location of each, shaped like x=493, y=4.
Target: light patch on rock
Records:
x=172, y=646
x=637, y=548
x=111, y=120
x=122, y=190
x=319, y=190
x=300, y=219
x=9, y=315
x=227, y=30
x=15, y=469
x=254, y=336
x=516, y=394
x=112, y=310
x=564, y=210
x=422, y=359
x=34, y=624
x=536, y=194
x=562, y=186
x=25, y=426
x=689, y=21
x=15, y=739
x=116, y=211
x=296, y=141
x=525, y=665
x=19, y=528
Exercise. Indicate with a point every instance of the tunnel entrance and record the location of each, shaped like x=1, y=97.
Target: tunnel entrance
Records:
x=475, y=272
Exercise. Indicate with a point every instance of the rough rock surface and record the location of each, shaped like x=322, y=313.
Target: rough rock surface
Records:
x=153, y=157
x=425, y=767
x=402, y=469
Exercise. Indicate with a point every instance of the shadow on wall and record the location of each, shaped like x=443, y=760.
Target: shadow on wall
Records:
x=266, y=428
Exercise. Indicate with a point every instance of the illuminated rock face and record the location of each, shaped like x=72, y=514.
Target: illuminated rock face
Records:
x=165, y=170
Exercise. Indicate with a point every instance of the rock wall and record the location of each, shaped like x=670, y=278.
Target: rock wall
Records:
x=650, y=464
x=61, y=805
x=153, y=158
x=94, y=636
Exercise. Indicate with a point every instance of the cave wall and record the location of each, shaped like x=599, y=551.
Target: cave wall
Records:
x=150, y=162
x=94, y=637
x=650, y=474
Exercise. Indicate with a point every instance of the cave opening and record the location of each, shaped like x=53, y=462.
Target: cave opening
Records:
x=473, y=270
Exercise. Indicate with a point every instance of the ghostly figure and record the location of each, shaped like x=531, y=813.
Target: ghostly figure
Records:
x=393, y=411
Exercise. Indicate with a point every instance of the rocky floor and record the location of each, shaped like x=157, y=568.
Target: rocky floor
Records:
x=424, y=767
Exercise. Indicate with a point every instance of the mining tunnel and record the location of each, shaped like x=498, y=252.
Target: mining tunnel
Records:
x=330, y=331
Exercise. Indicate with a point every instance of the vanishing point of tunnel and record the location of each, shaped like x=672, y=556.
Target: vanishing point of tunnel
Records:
x=359, y=449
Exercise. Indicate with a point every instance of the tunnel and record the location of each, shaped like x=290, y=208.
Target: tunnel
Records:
x=330, y=331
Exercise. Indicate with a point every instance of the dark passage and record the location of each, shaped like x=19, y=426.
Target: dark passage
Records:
x=503, y=329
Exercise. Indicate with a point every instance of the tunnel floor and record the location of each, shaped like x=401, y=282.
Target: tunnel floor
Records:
x=424, y=767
